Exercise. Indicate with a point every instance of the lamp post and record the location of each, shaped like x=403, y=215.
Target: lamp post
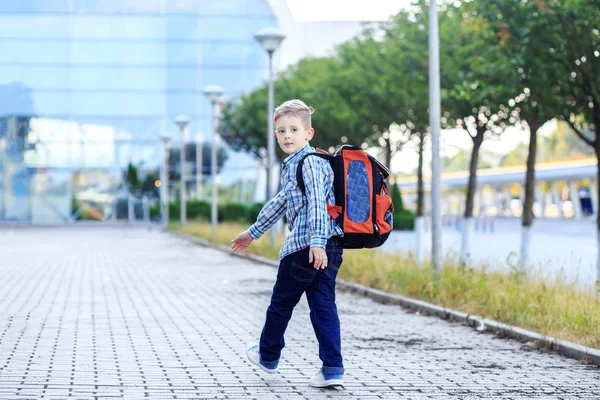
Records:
x=434, y=122
x=182, y=121
x=164, y=182
x=199, y=167
x=270, y=39
x=214, y=93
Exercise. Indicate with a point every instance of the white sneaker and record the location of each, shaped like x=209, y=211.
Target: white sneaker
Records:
x=318, y=380
x=253, y=354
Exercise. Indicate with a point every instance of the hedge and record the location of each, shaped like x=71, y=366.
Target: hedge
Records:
x=238, y=212
x=404, y=220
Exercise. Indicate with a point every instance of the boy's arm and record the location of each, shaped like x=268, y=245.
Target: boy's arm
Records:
x=269, y=214
x=313, y=172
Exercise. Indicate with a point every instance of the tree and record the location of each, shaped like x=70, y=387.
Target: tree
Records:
x=244, y=120
x=524, y=33
x=576, y=44
x=475, y=83
x=397, y=198
x=132, y=178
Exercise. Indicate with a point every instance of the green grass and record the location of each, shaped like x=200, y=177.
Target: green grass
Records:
x=549, y=308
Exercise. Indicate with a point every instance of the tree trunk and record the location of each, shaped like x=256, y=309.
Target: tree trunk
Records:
x=527, y=218
x=388, y=152
x=471, y=189
x=419, y=221
x=420, y=189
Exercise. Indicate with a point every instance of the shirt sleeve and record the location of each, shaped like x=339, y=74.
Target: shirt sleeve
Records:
x=315, y=178
x=270, y=213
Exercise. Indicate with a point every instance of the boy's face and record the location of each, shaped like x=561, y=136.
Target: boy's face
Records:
x=291, y=134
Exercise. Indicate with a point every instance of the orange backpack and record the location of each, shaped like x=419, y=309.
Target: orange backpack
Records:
x=363, y=206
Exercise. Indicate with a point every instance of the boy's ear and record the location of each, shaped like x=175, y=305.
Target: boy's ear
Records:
x=309, y=134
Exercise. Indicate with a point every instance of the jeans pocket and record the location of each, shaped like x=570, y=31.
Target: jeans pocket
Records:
x=334, y=262
x=302, y=273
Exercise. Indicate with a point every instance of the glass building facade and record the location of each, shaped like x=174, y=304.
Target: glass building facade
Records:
x=88, y=86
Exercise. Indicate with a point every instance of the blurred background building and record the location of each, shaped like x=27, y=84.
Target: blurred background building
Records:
x=89, y=87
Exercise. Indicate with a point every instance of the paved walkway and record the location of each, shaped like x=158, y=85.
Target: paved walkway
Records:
x=129, y=313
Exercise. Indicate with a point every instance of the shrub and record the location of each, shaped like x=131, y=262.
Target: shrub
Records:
x=397, y=198
x=234, y=212
x=404, y=220
x=174, y=210
x=253, y=211
x=155, y=211
x=198, y=209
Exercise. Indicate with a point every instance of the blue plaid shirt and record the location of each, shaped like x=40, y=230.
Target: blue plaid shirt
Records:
x=308, y=220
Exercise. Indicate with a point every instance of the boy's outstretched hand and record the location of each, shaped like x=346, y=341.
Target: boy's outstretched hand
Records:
x=319, y=256
x=241, y=242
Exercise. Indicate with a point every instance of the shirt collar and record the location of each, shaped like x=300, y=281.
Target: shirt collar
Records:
x=294, y=157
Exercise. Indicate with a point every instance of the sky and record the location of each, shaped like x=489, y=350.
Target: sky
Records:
x=344, y=10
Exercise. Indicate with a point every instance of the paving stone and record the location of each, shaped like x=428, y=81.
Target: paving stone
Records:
x=132, y=313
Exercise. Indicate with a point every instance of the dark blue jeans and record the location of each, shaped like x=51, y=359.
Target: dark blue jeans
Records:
x=294, y=277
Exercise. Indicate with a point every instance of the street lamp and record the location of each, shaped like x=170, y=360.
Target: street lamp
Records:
x=182, y=121
x=434, y=122
x=199, y=167
x=214, y=93
x=164, y=181
x=270, y=39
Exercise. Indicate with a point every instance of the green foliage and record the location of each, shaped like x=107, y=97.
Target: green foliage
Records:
x=253, y=211
x=234, y=212
x=197, y=209
x=404, y=220
x=560, y=145
x=132, y=177
x=174, y=210
x=460, y=161
x=155, y=211
x=397, y=198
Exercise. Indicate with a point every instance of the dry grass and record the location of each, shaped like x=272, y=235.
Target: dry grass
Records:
x=549, y=308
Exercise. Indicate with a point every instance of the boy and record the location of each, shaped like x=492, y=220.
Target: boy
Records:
x=311, y=254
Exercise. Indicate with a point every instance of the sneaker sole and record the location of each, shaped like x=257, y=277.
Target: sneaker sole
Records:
x=269, y=371
x=329, y=383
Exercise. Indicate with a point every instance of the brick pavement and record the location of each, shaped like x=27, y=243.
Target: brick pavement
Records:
x=115, y=312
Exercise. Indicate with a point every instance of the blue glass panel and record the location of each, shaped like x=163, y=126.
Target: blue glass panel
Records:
x=16, y=98
x=226, y=53
x=50, y=200
x=115, y=27
x=34, y=6
x=259, y=7
x=182, y=103
x=118, y=79
x=117, y=52
x=99, y=6
x=216, y=28
x=182, y=54
x=34, y=26
x=34, y=52
x=358, y=199
x=35, y=77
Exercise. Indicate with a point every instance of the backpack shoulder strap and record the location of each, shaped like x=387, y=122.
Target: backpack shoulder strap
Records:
x=299, y=177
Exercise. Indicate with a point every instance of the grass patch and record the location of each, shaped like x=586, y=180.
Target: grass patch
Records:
x=550, y=308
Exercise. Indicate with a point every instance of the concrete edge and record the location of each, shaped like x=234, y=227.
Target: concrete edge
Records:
x=481, y=324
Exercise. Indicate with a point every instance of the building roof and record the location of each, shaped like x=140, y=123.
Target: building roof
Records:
x=547, y=172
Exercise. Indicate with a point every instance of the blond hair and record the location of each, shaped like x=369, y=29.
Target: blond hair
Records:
x=297, y=108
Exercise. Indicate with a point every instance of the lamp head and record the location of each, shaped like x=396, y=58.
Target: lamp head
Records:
x=269, y=38
x=182, y=121
x=213, y=92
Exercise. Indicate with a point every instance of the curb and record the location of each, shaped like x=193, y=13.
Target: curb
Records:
x=563, y=347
